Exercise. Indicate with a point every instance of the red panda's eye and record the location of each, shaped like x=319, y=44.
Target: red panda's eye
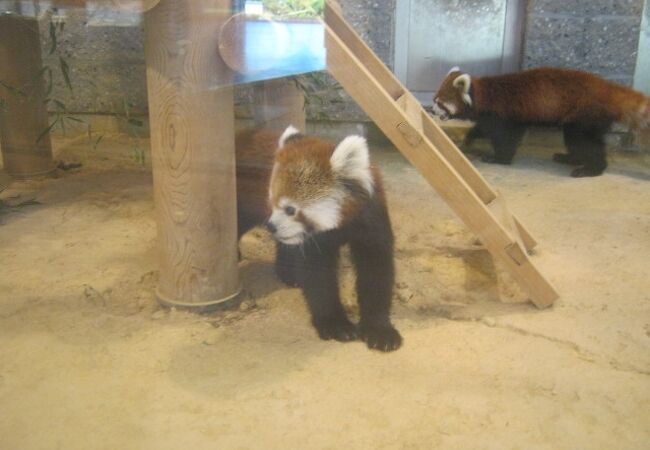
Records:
x=289, y=210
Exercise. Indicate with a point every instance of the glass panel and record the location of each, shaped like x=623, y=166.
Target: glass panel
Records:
x=442, y=34
x=207, y=243
x=642, y=71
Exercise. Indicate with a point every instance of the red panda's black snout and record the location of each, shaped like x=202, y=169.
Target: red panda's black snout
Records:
x=453, y=99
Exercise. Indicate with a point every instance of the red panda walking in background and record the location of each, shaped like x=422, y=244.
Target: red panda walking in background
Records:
x=315, y=197
x=583, y=104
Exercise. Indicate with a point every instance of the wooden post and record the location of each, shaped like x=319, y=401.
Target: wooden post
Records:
x=26, y=151
x=192, y=140
x=279, y=103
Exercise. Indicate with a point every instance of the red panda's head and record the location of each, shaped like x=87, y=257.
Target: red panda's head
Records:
x=309, y=191
x=453, y=97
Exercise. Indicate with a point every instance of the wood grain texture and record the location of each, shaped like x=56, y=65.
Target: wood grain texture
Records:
x=419, y=118
x=23, y=117
x=369, y=91
x=192, y=139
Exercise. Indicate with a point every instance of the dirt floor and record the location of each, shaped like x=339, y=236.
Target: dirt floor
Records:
x=89, y=360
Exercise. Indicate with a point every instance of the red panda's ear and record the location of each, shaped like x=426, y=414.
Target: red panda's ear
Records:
x=463, y=83
x=351, y=160
x=454, y=69
x=290, y=131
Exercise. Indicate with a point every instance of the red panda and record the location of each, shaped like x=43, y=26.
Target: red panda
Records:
x=315, y=197
x=502, y=106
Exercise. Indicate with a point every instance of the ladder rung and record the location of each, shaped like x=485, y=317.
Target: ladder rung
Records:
x=398, y=113
x=412, y=109
x=502, y=214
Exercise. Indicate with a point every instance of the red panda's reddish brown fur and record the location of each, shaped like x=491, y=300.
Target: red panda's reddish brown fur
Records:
x=559, y=96
x=584, y=104
x=315, y=197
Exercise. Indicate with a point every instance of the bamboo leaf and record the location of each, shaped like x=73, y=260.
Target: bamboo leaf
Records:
x=52, y=37
x=49, y=85
x=127, y=111
x=12, y=90
x=47, y=130
x=99, y=139
x=65, y=70
x=59, y=104
x=39, y=74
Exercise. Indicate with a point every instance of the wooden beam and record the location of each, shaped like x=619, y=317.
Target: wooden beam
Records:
x=359, y=81
x=192, y=140
x=473, y=177
x=335, y=20
x=339, y=26
x=412, y=108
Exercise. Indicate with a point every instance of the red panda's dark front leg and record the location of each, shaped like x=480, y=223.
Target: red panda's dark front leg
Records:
x=473, y=134
x=505, y=137
x=574, y=155
x=586, y=147
x=318, y=277
x=287, y=261
x=372, y=253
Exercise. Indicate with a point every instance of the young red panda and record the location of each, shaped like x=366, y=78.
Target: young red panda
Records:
x=315, y=197
x=502, y=106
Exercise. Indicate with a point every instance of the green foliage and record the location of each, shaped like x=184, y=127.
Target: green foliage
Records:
x=294, y=8
x=27, y=92
x=135, y=128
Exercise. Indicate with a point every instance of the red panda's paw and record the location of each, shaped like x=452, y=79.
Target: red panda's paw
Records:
x=582, y=172
x=337, y=328
x=380, y=337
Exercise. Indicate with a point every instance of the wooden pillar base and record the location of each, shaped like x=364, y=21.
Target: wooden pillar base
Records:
x=204, y=306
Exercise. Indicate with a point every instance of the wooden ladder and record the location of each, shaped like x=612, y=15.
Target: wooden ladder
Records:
x=410, y=128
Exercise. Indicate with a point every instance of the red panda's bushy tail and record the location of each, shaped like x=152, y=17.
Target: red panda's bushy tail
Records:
x=644, y=119
x=636, y=114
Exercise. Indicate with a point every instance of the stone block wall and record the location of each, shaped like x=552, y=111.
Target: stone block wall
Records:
x=107, y=68
x=106, y=63
x=599, y=36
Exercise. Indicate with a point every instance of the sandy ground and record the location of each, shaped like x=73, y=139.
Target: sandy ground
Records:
x=89, y=360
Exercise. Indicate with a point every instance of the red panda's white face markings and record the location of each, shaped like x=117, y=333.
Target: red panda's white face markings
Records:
x=287, y=222
x=307, y=191
x=453, y=97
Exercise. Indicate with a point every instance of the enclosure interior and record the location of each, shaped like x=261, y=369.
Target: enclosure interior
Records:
x=133, y=316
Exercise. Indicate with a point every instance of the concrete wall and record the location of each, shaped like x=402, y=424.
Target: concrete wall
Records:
x=599, y=36
x=106, y=61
